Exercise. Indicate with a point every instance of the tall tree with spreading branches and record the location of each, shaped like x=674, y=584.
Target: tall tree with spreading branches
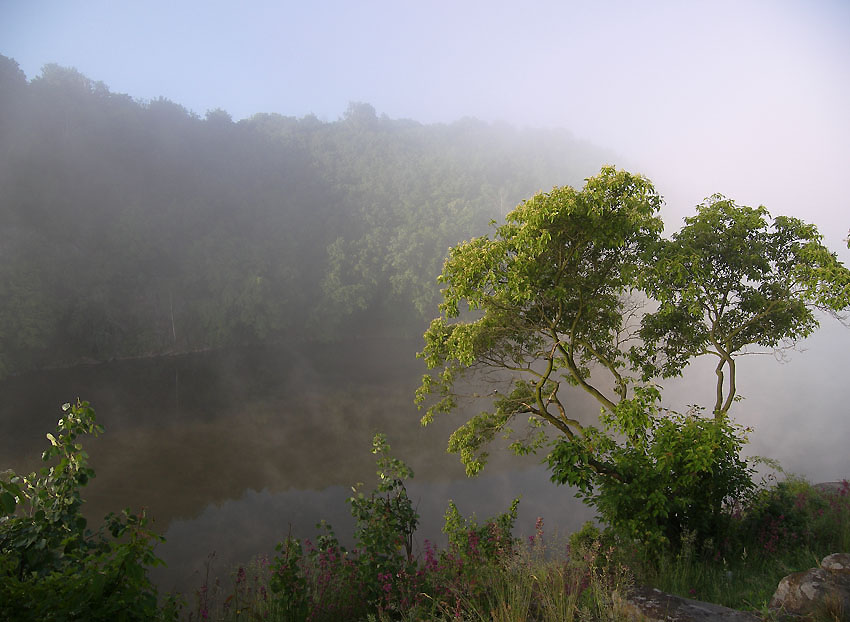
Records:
x=558, y=297
x=546, y=301
x=732, y=282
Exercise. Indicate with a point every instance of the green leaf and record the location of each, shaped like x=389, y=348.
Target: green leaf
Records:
x=7, y=503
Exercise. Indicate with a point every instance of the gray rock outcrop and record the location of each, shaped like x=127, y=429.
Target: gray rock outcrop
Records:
x=821, y=592
x=651, y=605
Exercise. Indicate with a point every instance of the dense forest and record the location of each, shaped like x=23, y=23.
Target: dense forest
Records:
x=137, y=228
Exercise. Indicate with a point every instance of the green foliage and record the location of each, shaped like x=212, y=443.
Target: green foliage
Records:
x=220, y=233
x=288, y=585
x=541, y=579
x=728, y=280
x=486, y=574
x=792, y=515
x=51, y=526
x=783, y=528
x=514, y=581
x=549, y=295
x=680, y=477
x=51, y=566
x=536, y=582
x=584, y=540
x=326, y=581
x=386, y=519
x=487, y=541
x=555, y=299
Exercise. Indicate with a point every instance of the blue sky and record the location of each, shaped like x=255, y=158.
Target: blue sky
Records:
x=748, y=98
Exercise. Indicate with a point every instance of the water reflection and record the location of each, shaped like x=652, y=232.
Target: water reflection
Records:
x=194, y=438
x=226, y=450
x=237, y=530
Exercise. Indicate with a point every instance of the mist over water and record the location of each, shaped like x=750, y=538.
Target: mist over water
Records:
x=231, y=451
x=235, y=264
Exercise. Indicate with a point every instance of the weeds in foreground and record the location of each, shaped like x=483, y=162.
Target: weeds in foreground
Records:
x=544, y=579
x=483, y=574
x=785, y=528
x=486, y=574
x=53, y=567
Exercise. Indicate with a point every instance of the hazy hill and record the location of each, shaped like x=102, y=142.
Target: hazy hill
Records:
x=133, y=228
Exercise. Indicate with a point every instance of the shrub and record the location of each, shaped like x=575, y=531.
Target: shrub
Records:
x=793, y=514
x=53, y=567
x=671, y=475
x=325, y=581
x=386, y=520
x=486, y=542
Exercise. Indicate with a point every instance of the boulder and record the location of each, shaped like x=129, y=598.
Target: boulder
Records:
x=823, y=591
x=837, y=562
x=651, y=605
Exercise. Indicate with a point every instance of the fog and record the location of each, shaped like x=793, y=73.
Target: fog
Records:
x=746, y=99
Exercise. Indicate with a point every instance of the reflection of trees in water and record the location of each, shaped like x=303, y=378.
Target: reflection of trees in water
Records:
x=310, y=441
x=274, y=419
x=296, y=425
x=242, y=528
x=260, y=440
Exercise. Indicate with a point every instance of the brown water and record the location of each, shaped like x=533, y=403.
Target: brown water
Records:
x=231, y=451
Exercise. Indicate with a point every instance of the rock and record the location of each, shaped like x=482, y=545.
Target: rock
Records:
x=818, y=591
x=651, y=605
x=837, y=562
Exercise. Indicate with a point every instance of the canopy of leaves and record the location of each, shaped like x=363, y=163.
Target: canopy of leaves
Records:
x=547, y=296
x=554, y=299
x=728, y=280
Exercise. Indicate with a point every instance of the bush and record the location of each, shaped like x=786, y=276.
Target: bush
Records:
x=480, y=543
x=324, y=581
x=386, y=520
x=671, y=474
x=53, y=567
x=783, y=528
x=793, y=514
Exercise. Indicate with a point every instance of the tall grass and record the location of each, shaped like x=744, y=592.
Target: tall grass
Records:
x=785, y=528
x=549, y=580
x=482, y=576
x=538, y=580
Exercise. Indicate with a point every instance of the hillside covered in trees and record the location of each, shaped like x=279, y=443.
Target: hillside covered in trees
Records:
x=137, y=228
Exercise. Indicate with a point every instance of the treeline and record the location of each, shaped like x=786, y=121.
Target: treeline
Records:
x=134, y=228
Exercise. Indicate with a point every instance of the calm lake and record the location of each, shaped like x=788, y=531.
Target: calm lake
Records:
x=231, y=451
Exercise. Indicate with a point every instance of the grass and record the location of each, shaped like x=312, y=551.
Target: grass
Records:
x=485, y=576
x=786, y=528
x=537, y=580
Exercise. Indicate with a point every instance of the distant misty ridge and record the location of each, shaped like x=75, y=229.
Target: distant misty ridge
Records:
x=137, y=228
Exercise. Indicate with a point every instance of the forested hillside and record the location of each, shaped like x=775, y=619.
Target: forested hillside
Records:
x=135, y=228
